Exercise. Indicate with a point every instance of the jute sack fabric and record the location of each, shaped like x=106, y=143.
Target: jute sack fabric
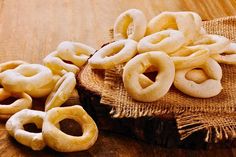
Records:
x=215, y=115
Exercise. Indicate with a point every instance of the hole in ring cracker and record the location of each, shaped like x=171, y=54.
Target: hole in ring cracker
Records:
x=167, y=41
x=209, y=88
x=15, y=127
x=75, y=52
x=25, y=77
x=58, y=140
x=196, y=75
x=57, y=65
x=61, y=91
x=113, y=54
x=137, y=66
x=24, y=101
x=11, y=65
x=130, y=24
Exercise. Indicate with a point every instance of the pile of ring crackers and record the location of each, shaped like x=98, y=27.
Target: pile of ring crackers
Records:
x=173, y=44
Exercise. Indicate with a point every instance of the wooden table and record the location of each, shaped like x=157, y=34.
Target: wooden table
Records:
x=30, y=29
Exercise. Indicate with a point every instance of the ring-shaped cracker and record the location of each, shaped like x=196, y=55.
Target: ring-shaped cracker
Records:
x=61, y=91
x=11, y=65
x=228, y=56
x=138, y=65
x=189, y=23
x=214, y=43
x=75, y=52
x=113, y=54
x=58, y=140
x=58, y=65
x=131, y=24
x=25, y=77
x=15, y=127
x=168, y=41
x=23, y=101
x=44, y=90
x=190, y=57
x=209, y=88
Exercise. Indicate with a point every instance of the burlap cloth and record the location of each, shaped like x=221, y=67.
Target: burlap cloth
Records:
x=215, y=115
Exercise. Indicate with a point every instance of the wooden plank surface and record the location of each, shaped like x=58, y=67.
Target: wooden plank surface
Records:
x=30, y=29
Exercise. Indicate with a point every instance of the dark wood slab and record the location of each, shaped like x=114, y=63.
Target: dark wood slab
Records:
x=160, y=131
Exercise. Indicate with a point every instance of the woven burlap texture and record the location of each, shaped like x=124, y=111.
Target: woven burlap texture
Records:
x=192, y=114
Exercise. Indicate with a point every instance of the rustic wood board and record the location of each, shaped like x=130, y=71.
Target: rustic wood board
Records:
x=30, y=29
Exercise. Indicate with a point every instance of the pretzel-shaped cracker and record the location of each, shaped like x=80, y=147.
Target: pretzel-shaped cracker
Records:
x=209, y=88
x=24, y=101
x=58, y=140
x=228, y=56
x=130, y=24
x=25, y=77
x=138, y=65
x=15, y=127
x=10, y=65
x=189, y=23
x=61, y=91
x=113, y=54
x=190, y=57
x=214, y=43
x=57, y=65
x=167, y=41
x=75, y=52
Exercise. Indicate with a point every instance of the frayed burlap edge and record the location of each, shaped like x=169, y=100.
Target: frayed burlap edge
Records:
x=219, y=126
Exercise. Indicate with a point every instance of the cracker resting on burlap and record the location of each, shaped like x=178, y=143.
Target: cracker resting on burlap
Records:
x=215, y=115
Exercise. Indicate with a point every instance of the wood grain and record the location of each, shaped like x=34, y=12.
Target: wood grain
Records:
x=110, y=145
x=30, y=29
